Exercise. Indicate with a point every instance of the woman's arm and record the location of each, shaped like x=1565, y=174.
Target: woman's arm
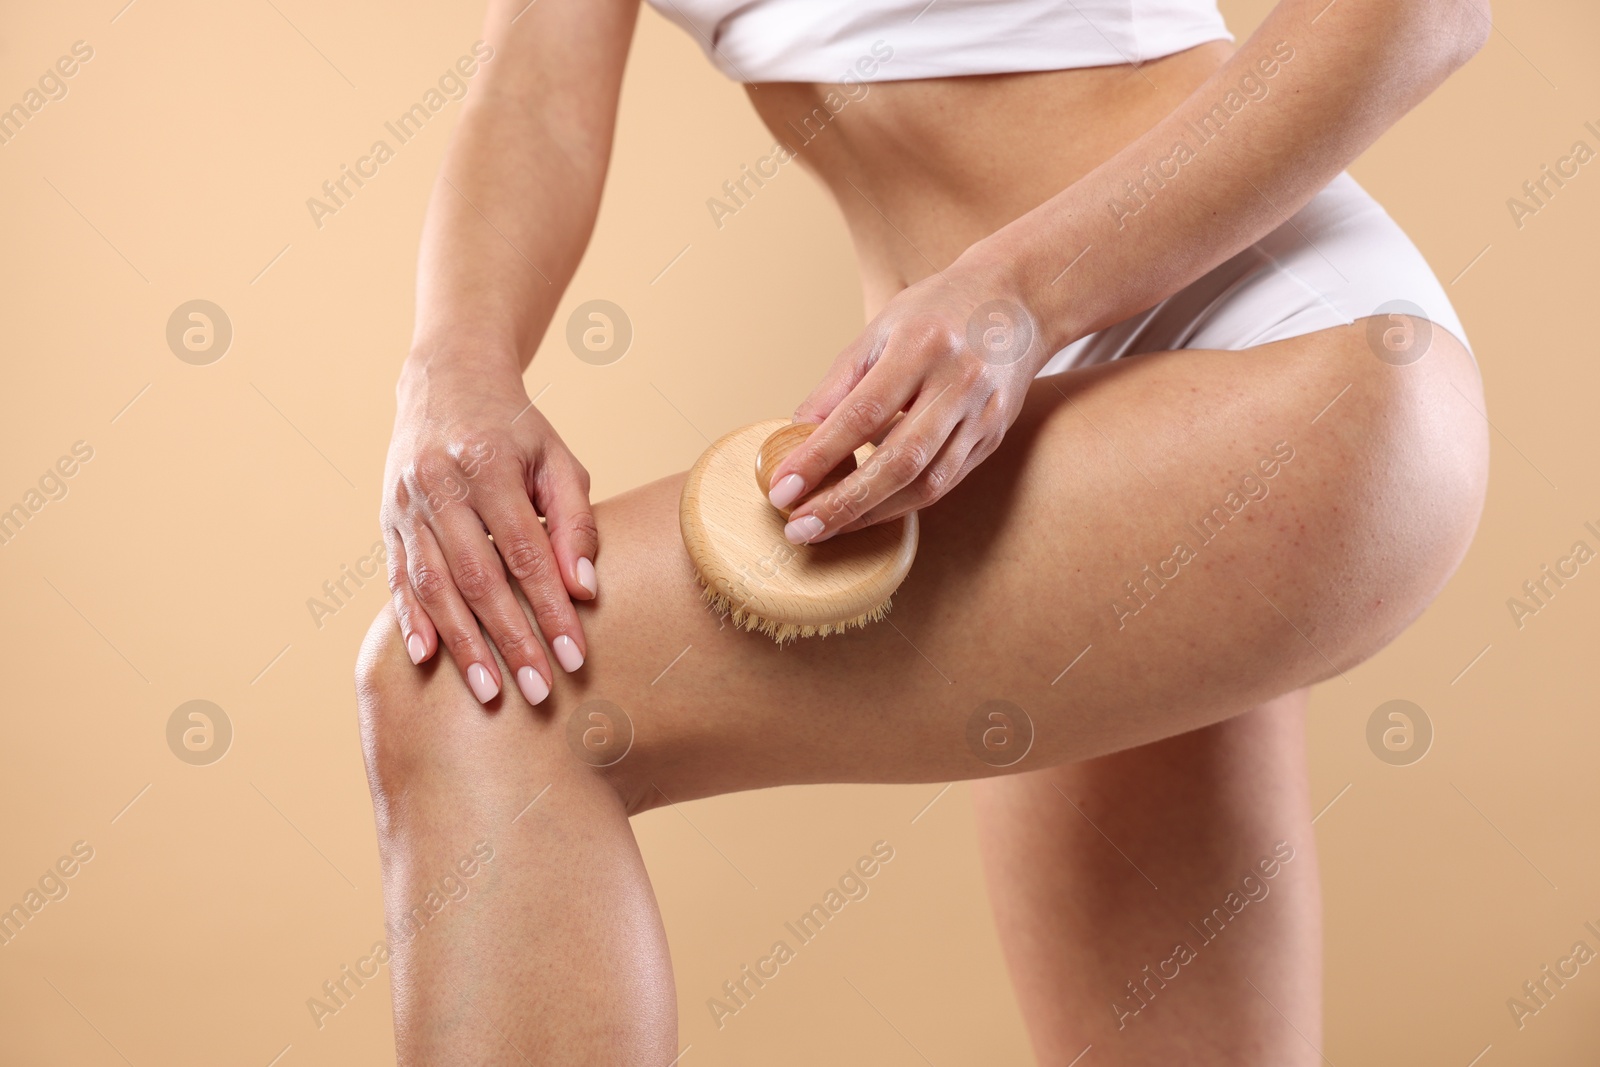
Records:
x=1306, y=93
x=519, y=188
x=509, y=218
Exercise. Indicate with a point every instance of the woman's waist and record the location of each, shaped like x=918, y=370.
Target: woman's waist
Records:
x=923, y=169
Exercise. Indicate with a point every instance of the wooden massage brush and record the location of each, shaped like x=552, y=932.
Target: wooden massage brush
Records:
x=752, y=574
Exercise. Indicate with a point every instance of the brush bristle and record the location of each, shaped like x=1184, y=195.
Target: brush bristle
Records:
x=783, y=632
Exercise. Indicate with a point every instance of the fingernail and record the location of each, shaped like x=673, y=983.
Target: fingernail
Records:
x=416, y=648
x=567, y=654
x=586, y=575
x=482, y=684
x=787, y=491
x=800, y=531
x=533, y=688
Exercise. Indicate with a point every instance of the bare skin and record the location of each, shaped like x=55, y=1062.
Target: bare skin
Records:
x=1178, y=732
x=564, y=958
x=958, y=192
x=1099, y=870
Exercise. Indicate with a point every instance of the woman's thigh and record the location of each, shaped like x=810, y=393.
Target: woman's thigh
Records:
x=1158, y=544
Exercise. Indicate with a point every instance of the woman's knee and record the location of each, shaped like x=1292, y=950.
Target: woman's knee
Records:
x=425, y=735
x=388, y=690
x=1408, y=476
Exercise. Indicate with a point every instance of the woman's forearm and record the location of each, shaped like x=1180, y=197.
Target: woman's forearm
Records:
x=511, y=211
x=1301, y=98
x=504, y=230
x=517, y=193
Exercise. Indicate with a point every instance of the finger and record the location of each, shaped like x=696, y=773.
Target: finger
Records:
x=416, y=629
x=429, y=574
x=904, y=455
x=517, y=535
x=953, y=463
x=561, y=486
x=869, y=408
x=480, y=578
x=844, y=375
x=525, y=547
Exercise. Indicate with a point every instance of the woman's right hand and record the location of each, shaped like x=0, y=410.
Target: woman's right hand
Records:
x=472, y=459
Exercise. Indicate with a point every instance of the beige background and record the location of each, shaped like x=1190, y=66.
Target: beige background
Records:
x=179, y=563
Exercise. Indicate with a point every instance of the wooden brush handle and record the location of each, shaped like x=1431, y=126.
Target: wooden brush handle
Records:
x=776, y=448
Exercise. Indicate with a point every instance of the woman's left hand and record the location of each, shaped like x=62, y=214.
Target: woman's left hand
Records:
x=943, y=368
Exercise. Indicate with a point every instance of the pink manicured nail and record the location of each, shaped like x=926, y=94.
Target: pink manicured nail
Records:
x=586, y=576
x=801, y=531
x=482, y=684
x=787, y=491
x=416, y=648
x=567, y=654
x=532, y=685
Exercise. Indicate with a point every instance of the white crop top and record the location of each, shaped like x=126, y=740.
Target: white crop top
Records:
x=888, y=40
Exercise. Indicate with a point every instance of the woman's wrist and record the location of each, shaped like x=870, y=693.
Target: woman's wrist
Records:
x=1013, y=264
x=472, y=362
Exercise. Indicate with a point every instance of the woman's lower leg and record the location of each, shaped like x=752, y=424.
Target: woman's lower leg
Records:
x=1162, y=904
x=521, y=922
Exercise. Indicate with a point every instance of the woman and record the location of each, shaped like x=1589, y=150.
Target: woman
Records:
x=1148, y=559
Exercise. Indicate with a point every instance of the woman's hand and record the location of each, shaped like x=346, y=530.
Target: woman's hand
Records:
x=954, y=353
x=472, y=459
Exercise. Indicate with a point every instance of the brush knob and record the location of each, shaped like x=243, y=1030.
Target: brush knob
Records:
x=751, y=572
x=776, y=448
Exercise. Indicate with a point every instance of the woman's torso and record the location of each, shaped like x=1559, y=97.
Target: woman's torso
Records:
x=921, y=169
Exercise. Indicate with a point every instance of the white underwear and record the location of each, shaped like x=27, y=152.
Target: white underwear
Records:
x=1339, y=259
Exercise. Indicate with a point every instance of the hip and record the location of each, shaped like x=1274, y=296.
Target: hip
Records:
x=1338, y=259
